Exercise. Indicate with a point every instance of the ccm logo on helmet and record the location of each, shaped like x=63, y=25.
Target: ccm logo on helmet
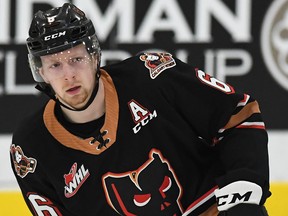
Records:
x=55, y=35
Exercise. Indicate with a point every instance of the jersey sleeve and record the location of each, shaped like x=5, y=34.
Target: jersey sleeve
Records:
x=39, y=195
x=203, y=101
x=228, y=121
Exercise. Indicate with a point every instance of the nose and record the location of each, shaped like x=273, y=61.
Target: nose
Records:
x=69, y=72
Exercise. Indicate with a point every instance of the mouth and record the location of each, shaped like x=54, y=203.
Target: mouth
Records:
x=73, y=90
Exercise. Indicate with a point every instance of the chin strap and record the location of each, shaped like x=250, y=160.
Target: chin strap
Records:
x=43, y=87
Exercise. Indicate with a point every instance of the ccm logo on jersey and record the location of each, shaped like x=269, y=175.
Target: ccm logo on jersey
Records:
x=74, y=180
x=54, y=36
x=141, y=115
x=157, y=62
x=236, y=193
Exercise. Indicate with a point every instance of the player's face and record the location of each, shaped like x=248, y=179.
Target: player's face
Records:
x=71, y=74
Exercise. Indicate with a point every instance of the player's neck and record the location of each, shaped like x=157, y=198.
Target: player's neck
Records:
x=93, y=112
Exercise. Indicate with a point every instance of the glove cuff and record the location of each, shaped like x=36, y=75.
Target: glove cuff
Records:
x=236, y=193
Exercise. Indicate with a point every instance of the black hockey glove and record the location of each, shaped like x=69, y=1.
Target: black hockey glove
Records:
x=245, y=210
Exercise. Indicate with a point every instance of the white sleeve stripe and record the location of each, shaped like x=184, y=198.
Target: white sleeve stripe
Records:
x=253, y=123
x=244, y=101
x=221, y=130
x=259, y=125
x=246, y=125
x=202, y=200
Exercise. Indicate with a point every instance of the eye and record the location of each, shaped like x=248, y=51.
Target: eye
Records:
x=142, y=199
x=76, y=59
x=166, y=185
x=55, y=65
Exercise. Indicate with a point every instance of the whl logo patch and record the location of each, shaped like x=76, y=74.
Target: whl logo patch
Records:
x=74, y=179
x=141, y=115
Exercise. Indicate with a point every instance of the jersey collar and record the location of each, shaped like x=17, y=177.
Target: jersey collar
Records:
x=110, y=124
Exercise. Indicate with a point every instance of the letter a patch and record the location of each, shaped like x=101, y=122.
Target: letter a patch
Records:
x=140, y=115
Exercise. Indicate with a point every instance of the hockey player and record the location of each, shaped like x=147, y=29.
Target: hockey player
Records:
x=150, y=135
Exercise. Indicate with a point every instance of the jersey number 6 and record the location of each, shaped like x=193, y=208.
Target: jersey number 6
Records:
x=43, y=206
x=215, y=83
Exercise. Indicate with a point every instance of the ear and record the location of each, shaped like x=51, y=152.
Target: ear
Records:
x=41, y=72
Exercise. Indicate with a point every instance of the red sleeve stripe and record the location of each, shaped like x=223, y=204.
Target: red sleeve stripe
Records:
x=204, y=198
x=257, y=125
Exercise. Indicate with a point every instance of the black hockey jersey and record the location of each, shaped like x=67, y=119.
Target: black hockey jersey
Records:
x=170, y=136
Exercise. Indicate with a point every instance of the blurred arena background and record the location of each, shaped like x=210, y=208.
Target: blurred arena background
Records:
x=242, y=42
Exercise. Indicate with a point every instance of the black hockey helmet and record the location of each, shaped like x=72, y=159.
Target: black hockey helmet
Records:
x=56, y=30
